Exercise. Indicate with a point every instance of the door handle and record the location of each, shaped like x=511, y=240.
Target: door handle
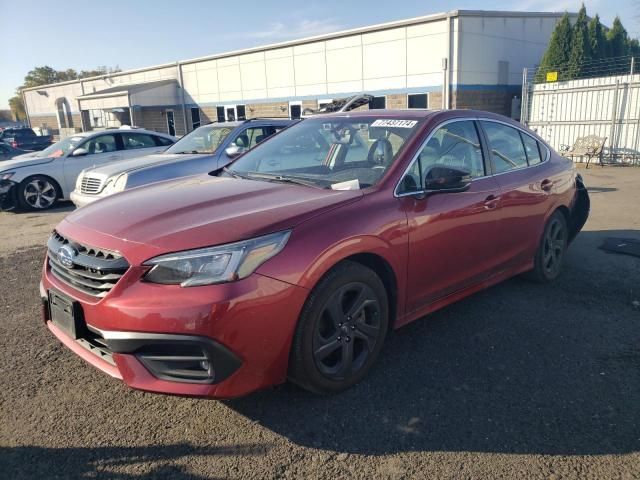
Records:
x=113, y=157
x=491, y=202
x=546, y=185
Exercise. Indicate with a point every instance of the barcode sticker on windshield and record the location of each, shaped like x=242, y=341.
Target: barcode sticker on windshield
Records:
x=394, y=123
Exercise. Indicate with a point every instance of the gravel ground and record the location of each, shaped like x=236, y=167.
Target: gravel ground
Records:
x=520, y=381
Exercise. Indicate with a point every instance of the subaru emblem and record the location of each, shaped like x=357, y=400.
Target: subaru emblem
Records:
x=66, y=254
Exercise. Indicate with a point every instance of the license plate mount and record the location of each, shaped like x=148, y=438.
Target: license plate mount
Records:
x=64, y=313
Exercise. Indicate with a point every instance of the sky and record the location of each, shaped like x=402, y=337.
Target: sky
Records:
x=139, y=33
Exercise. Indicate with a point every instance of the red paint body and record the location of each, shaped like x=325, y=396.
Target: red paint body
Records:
x=424, y=241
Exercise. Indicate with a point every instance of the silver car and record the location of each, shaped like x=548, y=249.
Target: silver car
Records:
x=36, y=181
x=207, y=148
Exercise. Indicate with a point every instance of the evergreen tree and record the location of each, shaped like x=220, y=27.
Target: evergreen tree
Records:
x=597, y=39
x=557, y=54
x=580, y=46
x=617, y=40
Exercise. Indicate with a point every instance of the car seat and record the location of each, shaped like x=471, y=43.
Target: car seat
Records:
x=242, y=141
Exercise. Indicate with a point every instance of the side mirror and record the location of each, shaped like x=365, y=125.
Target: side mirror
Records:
x=233, y=150
x=446, y=179
x=79, y=152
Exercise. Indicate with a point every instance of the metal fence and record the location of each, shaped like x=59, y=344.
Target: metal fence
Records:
x=606, y=105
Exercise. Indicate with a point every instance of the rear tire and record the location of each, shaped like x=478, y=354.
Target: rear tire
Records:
x=38, y=192
x=341, y=330
x=549, y=257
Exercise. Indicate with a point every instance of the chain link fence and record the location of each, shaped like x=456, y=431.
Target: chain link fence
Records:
x=601, y=99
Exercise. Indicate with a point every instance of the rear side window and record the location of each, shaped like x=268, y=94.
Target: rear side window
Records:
x=507, y=149
x=131, y=141
x=531, y=148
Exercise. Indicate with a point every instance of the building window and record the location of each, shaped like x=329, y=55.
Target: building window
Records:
x=378, y=103
x=417, y=100
x=195, y=117
x=295, y=110
x=241, y=112
x=220, y=114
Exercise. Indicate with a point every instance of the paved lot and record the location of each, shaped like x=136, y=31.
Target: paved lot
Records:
x=520, y=381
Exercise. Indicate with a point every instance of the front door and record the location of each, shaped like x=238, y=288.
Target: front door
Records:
x=100, y=150
x=171, y=123
x=452, y=236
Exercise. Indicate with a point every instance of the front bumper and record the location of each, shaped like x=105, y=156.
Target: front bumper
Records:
x=243, y=330
x=81, y=199
x=8, y=195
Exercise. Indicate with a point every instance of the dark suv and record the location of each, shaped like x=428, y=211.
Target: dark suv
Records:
x=25, y=139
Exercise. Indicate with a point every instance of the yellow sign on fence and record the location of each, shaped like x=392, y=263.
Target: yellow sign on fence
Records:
x=552, y=76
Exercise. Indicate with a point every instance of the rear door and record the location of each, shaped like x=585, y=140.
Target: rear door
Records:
x=101, y=149
x=136, y=144
x=519, y=163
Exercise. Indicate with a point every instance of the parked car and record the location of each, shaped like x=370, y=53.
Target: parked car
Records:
x=36, y=181
x=207, y=148
x=7, y=152
x=25, y=139
x=219, y=285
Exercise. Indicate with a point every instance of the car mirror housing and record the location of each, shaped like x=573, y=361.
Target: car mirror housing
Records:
x=233, y=150
x=79, y=152
x=441, y=179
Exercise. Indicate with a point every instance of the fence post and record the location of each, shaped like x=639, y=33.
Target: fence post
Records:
x=633, y=62
x=614, y=110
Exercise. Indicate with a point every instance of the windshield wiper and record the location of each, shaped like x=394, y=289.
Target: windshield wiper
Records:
x=192, y=152
x=284, y=179
x=234, y=174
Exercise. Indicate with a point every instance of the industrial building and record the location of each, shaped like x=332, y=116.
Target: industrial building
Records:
x=458, y=59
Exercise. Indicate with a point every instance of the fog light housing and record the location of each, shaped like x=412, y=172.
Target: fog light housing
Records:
x=178, y=363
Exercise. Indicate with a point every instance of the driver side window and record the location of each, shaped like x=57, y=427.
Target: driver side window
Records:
x=454, y=145
x=101, y=144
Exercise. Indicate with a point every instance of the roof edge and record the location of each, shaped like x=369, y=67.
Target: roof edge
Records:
x=326, y=36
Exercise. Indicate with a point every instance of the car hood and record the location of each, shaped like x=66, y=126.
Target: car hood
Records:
x=26, y=160
x=203, y=210
x=136, y=163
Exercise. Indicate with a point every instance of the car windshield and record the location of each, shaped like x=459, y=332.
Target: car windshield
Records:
x=205, y=139
x=61, y=148
x=342, y=153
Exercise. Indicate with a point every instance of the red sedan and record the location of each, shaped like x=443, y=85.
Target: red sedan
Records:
x=295, y=261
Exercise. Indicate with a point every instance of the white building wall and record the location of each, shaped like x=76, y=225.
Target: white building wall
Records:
x=485, y=41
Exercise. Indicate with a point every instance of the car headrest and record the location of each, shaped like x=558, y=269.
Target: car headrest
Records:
x=381, y=152
x=260, y=138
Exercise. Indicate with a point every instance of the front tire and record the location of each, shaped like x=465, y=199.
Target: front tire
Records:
x=341, y=330
x=550, y=255
x=37, y=192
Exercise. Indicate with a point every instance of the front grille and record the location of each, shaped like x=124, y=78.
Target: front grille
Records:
x=94, y=271
x=90, y=184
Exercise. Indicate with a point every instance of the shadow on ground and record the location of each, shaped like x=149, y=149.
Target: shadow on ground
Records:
x=519, y=368
x=108, y=462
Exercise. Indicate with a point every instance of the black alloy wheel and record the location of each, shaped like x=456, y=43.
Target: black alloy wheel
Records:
x=341, y=329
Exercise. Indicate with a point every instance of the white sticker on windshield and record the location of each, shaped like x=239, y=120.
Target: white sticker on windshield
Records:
x=394, y=123
x=348, y=185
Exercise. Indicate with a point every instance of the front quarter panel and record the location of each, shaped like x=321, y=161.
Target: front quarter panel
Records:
x=320, y=243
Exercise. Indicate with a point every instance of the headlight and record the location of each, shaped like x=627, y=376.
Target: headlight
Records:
x=225, y=263
x=6, y=175
x=115, y=184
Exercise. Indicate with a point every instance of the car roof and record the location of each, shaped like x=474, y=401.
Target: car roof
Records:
x=119, y=130
x=416, y=113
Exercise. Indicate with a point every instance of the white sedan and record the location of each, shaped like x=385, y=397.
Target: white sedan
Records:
x=36, y=181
